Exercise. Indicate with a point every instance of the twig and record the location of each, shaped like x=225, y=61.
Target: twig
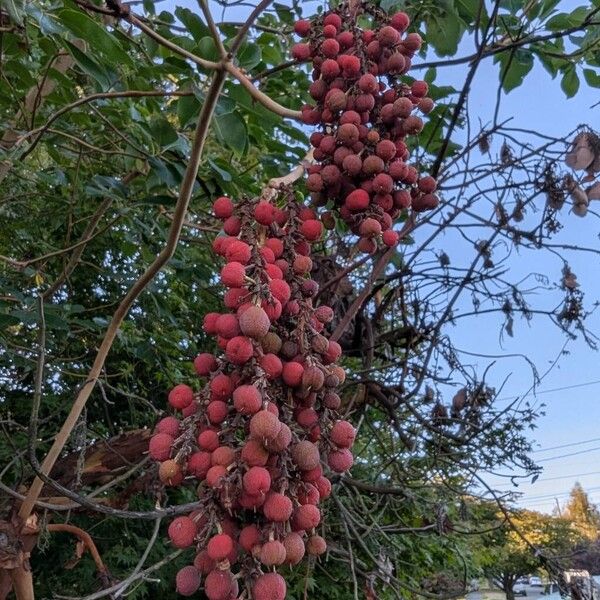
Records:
x=86, y=538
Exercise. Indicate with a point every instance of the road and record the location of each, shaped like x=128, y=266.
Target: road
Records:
x=533, y=593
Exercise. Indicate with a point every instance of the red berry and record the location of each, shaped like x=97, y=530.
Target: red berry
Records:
x=181, y=396
x=223, y=207
x=182, y=532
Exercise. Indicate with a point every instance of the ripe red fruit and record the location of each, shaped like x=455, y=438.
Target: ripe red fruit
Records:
x=168, y=425
x=324, y=486
x=271, y=365
x=254, y=454
x=215, y=475
x=330, y=48
x=264, y=425
x=390, y=238
x=233, y=275
x=334, y=351
x=419, y=89
x=277, y=507
x=272, y=553
x=280, y=290
x=204, y=563
x=316, y=545
x=386, y=149
x=232, y=226
x=345, y=39
x=269, y=586
x=281, y=441
x=349, y=64
x=160, y=446
x=247, y=399
x=182, y=532
x=218, y=585
x=412, y=42
x=368, y=84
x=223, y=207
x=219, y=546
x=427, y=184
x=221, y=386
x=370, y=228
x=238, y=251
x=198, y=464
x=208, y=440
x=426, y=105
x=249, y=537
x=223, y=455
x=343, y=434
x=335, y=100
x=264, y=212
x=324, y=313
x=275, y=245
x=358, y=200
x=205, y=363
x=301, y=52
x=347, y=134
x=181, y=396
x=227, y=326
x=306, y=455
x=239, y=350
x=306, y=517
x=311, y=229
x=388, y=36
x=329, y=31
x=400, y=21
x=302, y=27
x=340, y=460
x=216, y=411
x=333, y=19
x=383, y=183
x=254, y=322
x=329, y=70
x=187, y=581
x=256, y=480
x=210, y=323
x=292, y=373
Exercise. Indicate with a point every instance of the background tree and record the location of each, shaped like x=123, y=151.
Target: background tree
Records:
x=582, y=513
x=99, y=126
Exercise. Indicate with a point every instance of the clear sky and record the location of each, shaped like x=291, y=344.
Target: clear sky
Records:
x=572, y=413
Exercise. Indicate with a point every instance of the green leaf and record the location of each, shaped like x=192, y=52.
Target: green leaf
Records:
x=223, y=174
x=444, y=33
x=192, y=22
x=89, y=66
x=547, y=7
x=47, y=23
x=188, y=107
x=592, y=78
x=162, y=132
x=249, y=56
x=390, y=6
x=514, y=69
x=207, y=49
x=14, y=8
x=570, y=82
x=231, y=130
x=84, y=27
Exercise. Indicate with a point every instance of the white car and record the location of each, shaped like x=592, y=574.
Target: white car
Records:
x=519, y=589
x=535, y=582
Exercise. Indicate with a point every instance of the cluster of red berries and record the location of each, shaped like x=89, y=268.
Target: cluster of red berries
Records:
x=365, y=113
x=254, y=437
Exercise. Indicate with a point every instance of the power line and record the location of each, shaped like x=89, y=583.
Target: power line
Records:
x=544, y=496
x=550, y=478
x=567, y=445
x=558, y=389
x=569, y=454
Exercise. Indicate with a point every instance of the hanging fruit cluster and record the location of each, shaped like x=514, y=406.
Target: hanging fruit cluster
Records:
x=364, y=113
x=255, y=437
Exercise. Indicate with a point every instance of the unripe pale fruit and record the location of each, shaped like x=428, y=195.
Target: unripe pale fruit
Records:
x=187, y=581
x=256, y=480
x=270, y=586
x=281, y=441
x=272, y=553
x=372, y=165
x=219, y=546
x=170, y=473
x=182, y=532
x=264, y=425
x=305, y=455
x=181, y=396
x=370, y=228
x=271, y=343
x=316, y=545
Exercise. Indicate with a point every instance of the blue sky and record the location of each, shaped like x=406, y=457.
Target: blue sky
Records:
x=572, y=415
